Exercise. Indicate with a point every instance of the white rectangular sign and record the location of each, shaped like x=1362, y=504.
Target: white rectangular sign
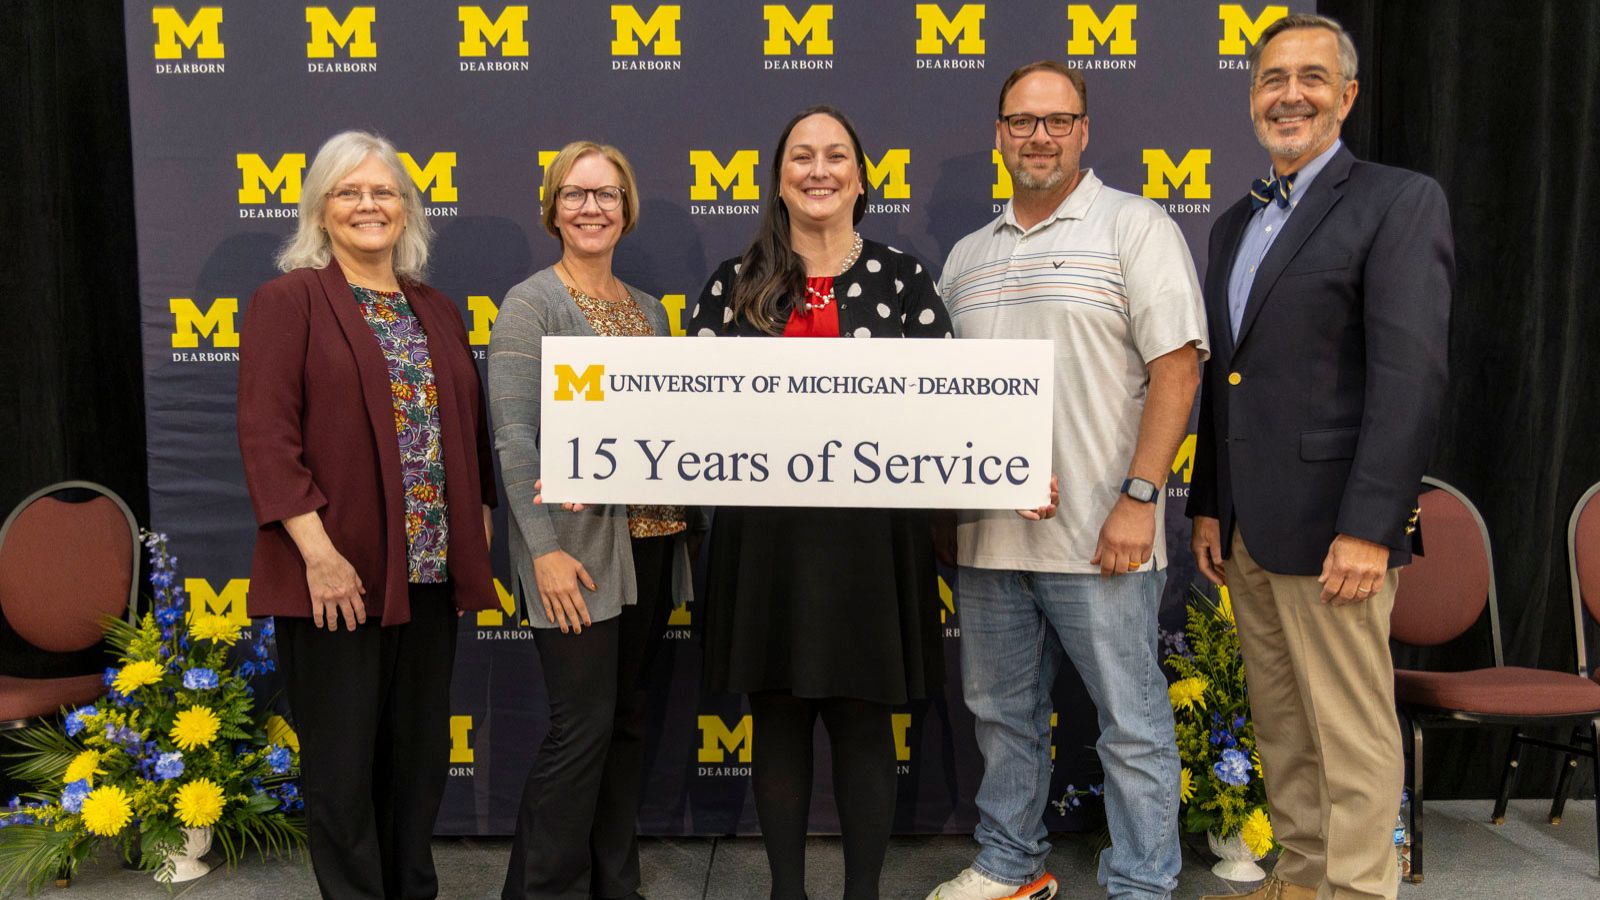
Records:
x=751, y=422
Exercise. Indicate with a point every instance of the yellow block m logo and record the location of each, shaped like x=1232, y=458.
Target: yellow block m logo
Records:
x=228, y=603
x=661, y=30
x=1240, y=31
x=283, y=179
x=354, y=33
x=505, y=31
x=962, y=29
x=461, y=741
x=738, y=177
x=435, y=177
x=1115, y=30
x=200, y=34
x=569, y=381
x=784, y=30
x=484, y=311
x=888, y=174
x=1002, y=178
x=716, y=737
x=1160, y=172
x=216, y=323
x=546, y=157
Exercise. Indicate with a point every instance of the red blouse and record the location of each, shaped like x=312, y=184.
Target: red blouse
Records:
x=822, y=322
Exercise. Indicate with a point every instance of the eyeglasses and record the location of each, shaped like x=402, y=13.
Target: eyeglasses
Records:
x=1058, y=124
x=349, y=196
x=606, y=196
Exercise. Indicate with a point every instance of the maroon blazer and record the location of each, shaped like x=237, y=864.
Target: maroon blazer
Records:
x=316, y=431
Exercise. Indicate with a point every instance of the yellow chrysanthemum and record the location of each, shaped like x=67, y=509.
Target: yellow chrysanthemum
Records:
x=1185, y=785
x=1187, y=693
x=84, y=766
x=198, y=803
x=195, y=727
x=107, y=810
x=136, y=675
x=1257, y=832
x=214, y=628
x=1225, y=608
x=279, y=732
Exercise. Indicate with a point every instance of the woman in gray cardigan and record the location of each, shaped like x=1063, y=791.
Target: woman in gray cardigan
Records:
x=596, y=584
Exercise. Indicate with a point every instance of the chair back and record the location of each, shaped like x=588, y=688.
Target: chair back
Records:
x=1443, y=592
x=1583, y=554
x=66, y=565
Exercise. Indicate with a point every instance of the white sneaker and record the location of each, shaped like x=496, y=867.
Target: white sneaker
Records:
x=974, y=885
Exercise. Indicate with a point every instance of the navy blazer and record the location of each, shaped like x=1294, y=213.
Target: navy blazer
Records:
x=1321, y=417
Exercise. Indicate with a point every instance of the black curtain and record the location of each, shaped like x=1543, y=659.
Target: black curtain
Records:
x=1499, y=100
x=71, y=388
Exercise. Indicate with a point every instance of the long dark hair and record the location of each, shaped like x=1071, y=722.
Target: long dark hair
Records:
x=771, y=275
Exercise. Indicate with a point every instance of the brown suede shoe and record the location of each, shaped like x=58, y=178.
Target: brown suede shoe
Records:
x=1274, y=888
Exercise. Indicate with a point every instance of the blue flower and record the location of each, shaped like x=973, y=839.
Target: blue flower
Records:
x=110, y=675
x=269, y=628
x=1238, y=722
x=289, y=797
x=75, y=723
x=72, y=797
x=1233, y=768
x=247, y=669
x=169, y=765
x=278, y=758
x=200, y=679
x=168, y=616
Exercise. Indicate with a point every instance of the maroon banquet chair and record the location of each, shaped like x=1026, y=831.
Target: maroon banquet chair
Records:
x=65, y=564
x=1583, y=558
x=1442, y=594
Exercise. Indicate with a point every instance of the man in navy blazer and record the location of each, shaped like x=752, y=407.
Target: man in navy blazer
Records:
x=1328, y=296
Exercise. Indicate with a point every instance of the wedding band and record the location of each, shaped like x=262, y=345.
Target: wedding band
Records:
x=1363, y=590
x=1134, y=567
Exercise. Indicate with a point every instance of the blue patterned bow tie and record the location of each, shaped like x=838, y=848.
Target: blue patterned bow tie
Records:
x=1268, y=190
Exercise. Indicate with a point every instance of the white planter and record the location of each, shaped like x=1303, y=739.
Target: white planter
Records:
x=1237, y=862
x=187, y=864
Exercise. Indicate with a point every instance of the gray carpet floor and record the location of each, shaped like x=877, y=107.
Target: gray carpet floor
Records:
x=1467, y=858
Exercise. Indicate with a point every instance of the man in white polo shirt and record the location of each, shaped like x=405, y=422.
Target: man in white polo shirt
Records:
x=1108, y=277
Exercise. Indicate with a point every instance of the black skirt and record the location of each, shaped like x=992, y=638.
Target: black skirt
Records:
x=823, y=603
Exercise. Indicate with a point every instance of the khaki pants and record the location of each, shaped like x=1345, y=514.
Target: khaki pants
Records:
x=1322, y=698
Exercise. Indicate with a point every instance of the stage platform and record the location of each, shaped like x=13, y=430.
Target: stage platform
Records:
x=1468, y=858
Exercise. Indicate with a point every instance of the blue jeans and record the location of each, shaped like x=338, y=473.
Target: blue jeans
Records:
x=1107, y=628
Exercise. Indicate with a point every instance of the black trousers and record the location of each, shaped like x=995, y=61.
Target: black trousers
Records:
x=372, y=710
x=577, y=828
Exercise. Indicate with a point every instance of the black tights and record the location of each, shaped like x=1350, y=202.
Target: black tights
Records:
x=862, y=741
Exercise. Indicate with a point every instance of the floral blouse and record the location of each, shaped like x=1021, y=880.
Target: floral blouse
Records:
x=624, y=318
x=416, y=426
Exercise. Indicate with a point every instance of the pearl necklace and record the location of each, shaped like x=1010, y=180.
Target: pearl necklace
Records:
x=823, y=298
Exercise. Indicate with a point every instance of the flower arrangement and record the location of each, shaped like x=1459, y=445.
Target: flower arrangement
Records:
x=1221, y=788
x=178, y=742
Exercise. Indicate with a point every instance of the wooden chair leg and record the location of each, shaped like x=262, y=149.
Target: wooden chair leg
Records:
x=1416, y=801
x=1508, y=777
x=1569, y=767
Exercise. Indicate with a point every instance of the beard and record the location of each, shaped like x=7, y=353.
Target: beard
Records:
x=1323, y=126
x=1049, y=181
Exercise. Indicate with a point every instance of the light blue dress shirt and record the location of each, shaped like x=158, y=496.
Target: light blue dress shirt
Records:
x=1263, y=228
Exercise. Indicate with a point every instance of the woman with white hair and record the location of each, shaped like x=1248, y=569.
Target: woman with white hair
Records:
x=366, y=453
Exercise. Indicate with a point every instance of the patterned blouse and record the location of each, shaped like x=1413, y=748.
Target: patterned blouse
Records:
x=416, y=426
x=624, y=318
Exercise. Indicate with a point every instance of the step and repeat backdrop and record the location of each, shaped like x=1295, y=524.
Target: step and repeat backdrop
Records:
x=231, y=98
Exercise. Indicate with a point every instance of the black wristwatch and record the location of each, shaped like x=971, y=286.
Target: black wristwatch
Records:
x=1140, y=490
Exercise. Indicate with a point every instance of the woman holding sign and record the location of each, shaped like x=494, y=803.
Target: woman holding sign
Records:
x=822, y=612
x=595, y=584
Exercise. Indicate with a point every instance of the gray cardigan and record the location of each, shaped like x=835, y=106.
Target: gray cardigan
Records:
x=597, y=536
